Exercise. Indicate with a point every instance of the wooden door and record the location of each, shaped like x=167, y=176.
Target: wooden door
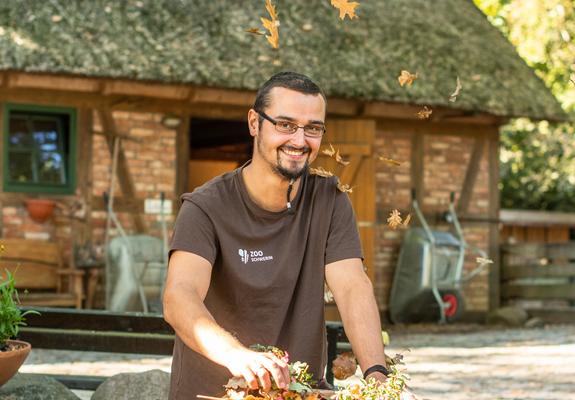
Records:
x=355, y=141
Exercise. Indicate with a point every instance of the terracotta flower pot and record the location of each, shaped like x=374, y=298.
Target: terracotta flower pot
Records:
x=11, y=360
x=39, y=209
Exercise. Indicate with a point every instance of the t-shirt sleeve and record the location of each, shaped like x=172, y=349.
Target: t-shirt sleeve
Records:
x=343, y=238
x=194, y=232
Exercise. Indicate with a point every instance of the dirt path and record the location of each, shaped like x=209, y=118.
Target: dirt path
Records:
x=445, y=363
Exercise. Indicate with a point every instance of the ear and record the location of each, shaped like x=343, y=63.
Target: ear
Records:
x=253, y=122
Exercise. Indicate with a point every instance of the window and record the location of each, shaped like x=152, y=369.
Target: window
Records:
x=39, y=149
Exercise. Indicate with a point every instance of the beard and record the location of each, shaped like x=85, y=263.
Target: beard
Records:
x=290, y=174
x=284, y=170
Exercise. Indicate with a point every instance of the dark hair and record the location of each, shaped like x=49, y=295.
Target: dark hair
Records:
x=289, y=80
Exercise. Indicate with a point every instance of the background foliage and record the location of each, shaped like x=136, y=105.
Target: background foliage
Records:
x=537, y=158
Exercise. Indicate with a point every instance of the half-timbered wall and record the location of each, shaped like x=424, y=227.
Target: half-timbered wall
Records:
x=443, y=160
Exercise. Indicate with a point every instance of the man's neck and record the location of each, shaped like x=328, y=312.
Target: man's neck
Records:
x=267, y=189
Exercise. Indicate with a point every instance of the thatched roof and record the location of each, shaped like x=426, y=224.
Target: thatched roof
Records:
x=204, y=42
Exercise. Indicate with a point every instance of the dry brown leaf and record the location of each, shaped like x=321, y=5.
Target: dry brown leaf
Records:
x=344, y=365
x=344, y=187
x=406, y=221
x=406, y=78
x=321, y=172
x=345, y=7
x=424, y=113
x=389, y=160
x=255, y=31
x=329, y=152
x=454, y=95
x=394, y=220
x=339, y=159
x=482, y=260
x=272, y=25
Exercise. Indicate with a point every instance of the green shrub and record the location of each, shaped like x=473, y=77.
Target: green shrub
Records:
x=11, y=317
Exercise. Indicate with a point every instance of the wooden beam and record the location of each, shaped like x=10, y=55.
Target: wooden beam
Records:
x=470, y=175
x=182, y=156
x=123, y=173
x=538, y=271
x=157, y=96
x=442, y=128
x=69, y=83
x=380, y=109
x=536, y=218
x=494, y=254
x=539, y=292
x=417, y=154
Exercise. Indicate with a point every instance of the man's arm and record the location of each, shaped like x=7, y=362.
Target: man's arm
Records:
x=186, y=287
x=353, y=294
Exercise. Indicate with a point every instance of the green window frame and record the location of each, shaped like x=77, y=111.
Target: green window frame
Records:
x=39, y=149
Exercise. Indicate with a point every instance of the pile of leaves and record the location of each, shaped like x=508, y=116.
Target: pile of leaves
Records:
x=300, y=387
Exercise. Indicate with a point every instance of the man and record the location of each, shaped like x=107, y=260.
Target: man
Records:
x=251, y=250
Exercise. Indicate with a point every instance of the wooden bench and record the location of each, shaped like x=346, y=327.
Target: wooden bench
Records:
x=40, y=274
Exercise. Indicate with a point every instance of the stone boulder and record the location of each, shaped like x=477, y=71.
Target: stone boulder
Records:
x=149, y=385
x=509, y=316
x=35, y=387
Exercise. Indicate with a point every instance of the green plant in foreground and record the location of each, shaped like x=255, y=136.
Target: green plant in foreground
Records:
x=11, y=317
x=374, y=390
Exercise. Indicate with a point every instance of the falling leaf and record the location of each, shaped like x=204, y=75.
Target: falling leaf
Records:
x=255, y=31
x=454, y=95
x=406, y=221
x=406, y=78
x=394, y=220
x=329, y=152
x=476, y=77
x=344, y=187
x=389, y=160
x=340, y=160
x=56, y=18
x=425, y=113
x=344, y=365
x=345, y=7
x=321, y=172
x=272, y=25
x=483, y=261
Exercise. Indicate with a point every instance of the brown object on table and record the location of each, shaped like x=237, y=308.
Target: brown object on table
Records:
x=344, y=365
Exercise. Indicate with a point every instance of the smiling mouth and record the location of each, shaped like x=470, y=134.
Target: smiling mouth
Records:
x=294, y=152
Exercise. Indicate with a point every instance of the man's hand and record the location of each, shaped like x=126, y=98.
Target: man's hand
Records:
x=258, y=368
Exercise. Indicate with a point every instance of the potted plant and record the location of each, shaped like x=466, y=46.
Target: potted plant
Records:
x=12, y=352
x=40, y=209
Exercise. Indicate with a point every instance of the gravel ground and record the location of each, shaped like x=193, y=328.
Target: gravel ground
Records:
x=444, y=362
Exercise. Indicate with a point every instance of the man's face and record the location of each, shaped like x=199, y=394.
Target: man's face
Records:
x=288, y=154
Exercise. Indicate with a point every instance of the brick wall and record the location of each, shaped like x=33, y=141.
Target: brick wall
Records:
x=445, y=163
x=151, y=162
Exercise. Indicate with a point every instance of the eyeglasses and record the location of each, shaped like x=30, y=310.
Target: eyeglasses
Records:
x=312, y=130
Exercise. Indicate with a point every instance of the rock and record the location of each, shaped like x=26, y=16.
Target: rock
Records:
x=35, y=387
x=149, y=385
x=534, y=322
x=509, y=316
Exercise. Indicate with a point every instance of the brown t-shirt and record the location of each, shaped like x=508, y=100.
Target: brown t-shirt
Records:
x=267, y=283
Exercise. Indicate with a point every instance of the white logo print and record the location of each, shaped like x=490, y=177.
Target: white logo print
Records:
x=253, y=256
x=244, y=255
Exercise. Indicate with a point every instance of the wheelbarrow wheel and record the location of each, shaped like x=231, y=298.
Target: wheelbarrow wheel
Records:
x=455, y=305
